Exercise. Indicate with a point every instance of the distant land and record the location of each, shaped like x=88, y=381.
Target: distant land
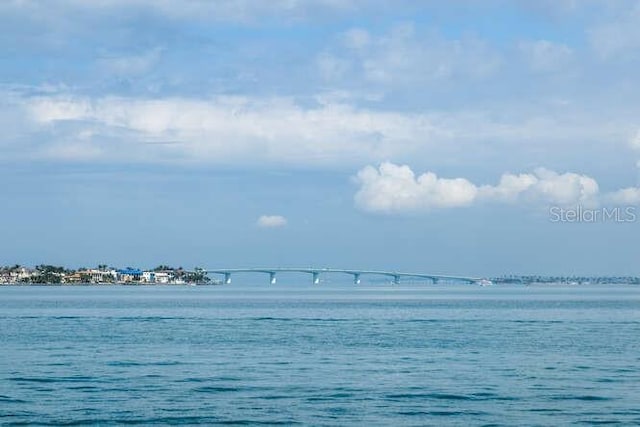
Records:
x=45, y=274
x=569, y=280
x=103, y=274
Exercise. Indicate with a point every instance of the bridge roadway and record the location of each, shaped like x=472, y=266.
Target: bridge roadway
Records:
x=315, y=274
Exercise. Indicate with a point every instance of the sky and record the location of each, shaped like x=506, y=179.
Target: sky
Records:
x=442, y=137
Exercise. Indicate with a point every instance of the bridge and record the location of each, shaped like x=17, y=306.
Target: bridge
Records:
x=316, y=272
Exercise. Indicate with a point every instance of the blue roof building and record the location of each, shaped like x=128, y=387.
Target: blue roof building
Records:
x=130, y=271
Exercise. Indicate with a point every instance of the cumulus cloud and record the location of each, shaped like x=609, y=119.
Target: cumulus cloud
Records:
x=392, y=188
x=271, y=221
x=564, y=189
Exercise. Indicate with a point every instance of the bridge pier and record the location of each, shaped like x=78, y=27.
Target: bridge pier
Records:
x=356, y=278
x=316, y=277
x=227, y=278
x=272, y=277
x=396, y=279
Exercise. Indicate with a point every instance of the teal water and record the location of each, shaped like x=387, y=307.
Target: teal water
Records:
x=320, y=355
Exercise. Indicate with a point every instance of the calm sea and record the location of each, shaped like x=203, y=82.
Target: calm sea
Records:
x=320, y=355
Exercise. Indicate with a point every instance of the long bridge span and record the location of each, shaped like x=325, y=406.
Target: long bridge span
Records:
x=315, y=273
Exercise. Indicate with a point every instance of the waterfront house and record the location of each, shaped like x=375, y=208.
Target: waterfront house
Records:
x=128, y=275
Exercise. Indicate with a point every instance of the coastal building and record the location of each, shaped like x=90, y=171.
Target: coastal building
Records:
x=90, y=276
x=101, y=276
x=148, y=277
x=15, y=274
x=76, y=277
x=163, y=277
x=128, y=275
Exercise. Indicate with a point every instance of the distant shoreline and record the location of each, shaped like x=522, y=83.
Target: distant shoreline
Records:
x=220, y=283
x=103, y=275
x=98, y=285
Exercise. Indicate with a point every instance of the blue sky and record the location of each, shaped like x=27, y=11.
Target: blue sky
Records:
x=425, y=136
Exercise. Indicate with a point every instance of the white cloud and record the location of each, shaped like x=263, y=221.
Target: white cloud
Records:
x=625, y=196
x=46, y=110
x=509, y=188
x=396, y=189
x=242, y=129
x=565, y=189
x=284, y=131
x=392, y=188
x=278, y=130
x=271, y=221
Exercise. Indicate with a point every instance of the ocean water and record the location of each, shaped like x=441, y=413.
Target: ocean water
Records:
x=320, y=355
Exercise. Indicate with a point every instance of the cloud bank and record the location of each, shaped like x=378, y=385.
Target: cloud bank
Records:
x=225, y=129
x=278, y=130
x=391, y=189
